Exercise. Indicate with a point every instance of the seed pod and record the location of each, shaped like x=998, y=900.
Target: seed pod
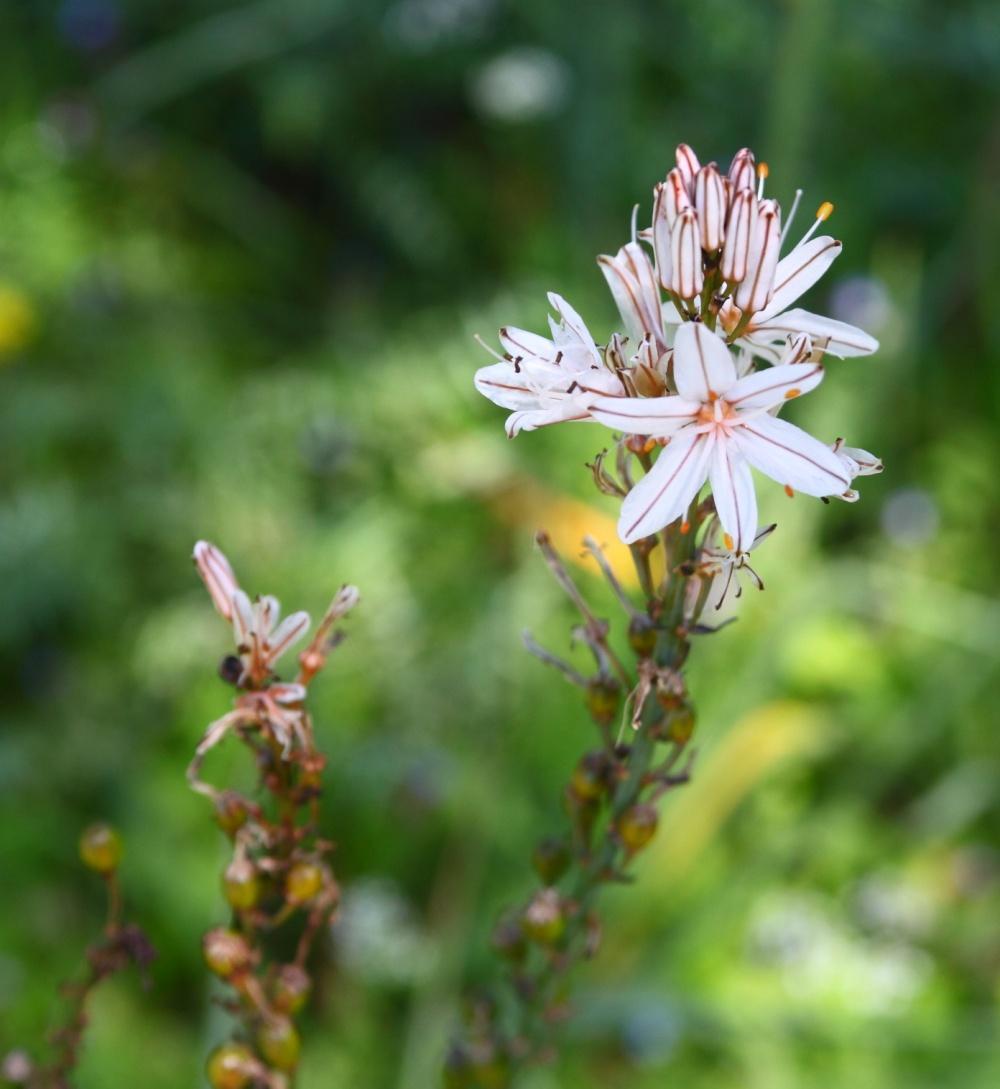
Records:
x=278, y=1040
x=241, y=884
x=231, y=1066
x=230, y=812
x=551, y=859
x=681, y=725
x=101, y=848
x=642, y=635
x=637, y=826
x=303, y=881
x=291, y=990
x=590, y=776
x=226, y=952
x=602, y=700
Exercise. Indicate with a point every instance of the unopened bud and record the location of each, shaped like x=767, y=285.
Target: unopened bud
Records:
x=291, y=988
x=230, y=812
x=241, y=884
x=551, y=859
x=278, y=1041
x=602, y=700
x=231, y=1066
x=101, y=848
x=226, y=952
x=590, y=776
x=544, y=920
x=637, y=826
x=303, y=881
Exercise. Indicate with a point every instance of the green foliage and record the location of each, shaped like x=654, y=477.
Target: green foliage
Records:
x=243, y=249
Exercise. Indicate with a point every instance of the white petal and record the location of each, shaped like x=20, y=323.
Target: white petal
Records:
x=267, y=609
x=504, y=386
x=754, y=292
x=767, y=388
x=790, y=456
x=659, y=416
x=521, y=344
x=666, y=491
x=735, y=498
x=703, y=365
x=217, y=574
x=688, y=165
x=835, y=337
x=289, y=631
x=686, y=274
x=574, y=326
x=661, y=234
x=797, y=272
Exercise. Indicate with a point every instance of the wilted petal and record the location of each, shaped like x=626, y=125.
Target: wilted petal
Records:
x=755, y=290
x=267, y=609
x=840, y=339
x=287, y=693
x=797, y=272
x=710, y=200
x=289, y=631
x=703, y=366
x=666, y=491
x=660, y=416
x=735, y=498
x=686, y=277
x=856, y=461
x=790, y=456
x=243, y=619
x=739, y=230
x=767, y=388
x=218, y=577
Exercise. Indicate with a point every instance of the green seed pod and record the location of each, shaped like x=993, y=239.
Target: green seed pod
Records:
x=101, y=848
x=642, y=635
x=590, y=776
x=508, y=939
x=637, y=826
x=291, y=988
x=230, y=812
x=226, y=952
x=681, y=725
x=544, y=920
x=602, y=700
x=551, y=859
x=278, y=1040
x=241, y=884
x=231, y=1066
x=303, y=881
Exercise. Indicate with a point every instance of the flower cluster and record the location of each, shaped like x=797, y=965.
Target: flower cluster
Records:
x=711, y=349
x=278, y=871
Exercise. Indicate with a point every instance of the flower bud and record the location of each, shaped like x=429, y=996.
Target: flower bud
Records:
x=230, y=812
x=637, y=826
x=241, y=884
x=551, y=859
x=710, y=198
x=226, y=952
x=686, y=274
x=292, y=986
x=590, y=776
x=739, y=229
x=101, y=848
x=602, y=700
x=508, y=939
x=231, y=1066
x=755, y=291
x=302, y=882
x=278, y=1041
x=743, y=170
x=544, y=921
x=687, y=165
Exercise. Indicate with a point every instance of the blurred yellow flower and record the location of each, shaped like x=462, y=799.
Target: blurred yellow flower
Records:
x=18, y=319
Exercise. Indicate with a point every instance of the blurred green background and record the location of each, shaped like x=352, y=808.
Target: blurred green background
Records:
x=243, y=251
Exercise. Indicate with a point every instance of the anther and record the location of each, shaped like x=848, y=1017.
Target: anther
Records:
x=789, y=491
x=763, y=170
x=790, y=393
x=728, y=542
x=823, y=213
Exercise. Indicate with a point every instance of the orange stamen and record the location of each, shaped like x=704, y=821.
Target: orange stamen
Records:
x=789, y=491
x=790, y=393
x=728, y=542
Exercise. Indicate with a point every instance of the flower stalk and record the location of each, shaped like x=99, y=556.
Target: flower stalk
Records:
x=279, y=874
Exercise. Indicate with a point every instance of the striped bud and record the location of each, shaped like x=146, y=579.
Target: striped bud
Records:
x=757, y=286
x=743, y=170
x=710, y=200
x=739, y=230
x=688, y=165
x=685, y=256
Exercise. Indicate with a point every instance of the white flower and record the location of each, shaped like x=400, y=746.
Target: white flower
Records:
x=724, y=566
x=857, y=463
x=547, y=381
x=260, y=639
x=717, y=427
